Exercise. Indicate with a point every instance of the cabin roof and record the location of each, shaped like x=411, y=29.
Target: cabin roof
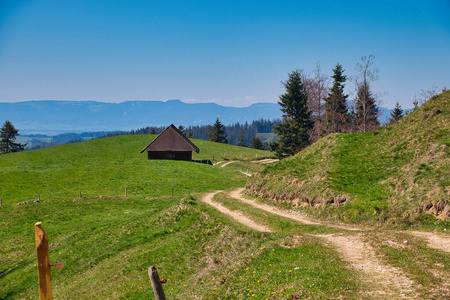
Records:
x=171, y=139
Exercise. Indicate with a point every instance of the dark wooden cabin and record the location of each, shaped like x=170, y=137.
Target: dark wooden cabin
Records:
x=171, y=144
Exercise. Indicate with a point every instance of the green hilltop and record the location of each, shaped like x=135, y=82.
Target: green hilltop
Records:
x=105, y=167
x=396, y=175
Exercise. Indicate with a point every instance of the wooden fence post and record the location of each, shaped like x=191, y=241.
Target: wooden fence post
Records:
x=80, y=194
x=156, y=283
x=43, y=259
x=125, y=191
x=172, y=192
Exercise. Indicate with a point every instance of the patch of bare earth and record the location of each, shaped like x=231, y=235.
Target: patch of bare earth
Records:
x=386, y=282
x=266, y=161
x=227, y=163
x=238, y=216
x=237, y=194
x=434, y=241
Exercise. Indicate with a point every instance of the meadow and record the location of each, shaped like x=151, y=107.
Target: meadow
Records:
x=107, y=240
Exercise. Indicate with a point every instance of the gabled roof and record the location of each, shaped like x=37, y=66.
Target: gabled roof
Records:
x=171, y=139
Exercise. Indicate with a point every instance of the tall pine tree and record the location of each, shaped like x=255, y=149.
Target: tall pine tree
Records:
x=366, y=109
x=366, y=118
x=337, y=117
x=293, y=133
x=8, y=137
x=216, y=133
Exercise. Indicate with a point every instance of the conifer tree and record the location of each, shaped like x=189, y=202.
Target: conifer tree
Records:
x=8, y=137
x=216, y=133
x=337, y=118
x=293, y=133
x=241, y=138
x=396, y=114
x=189, y=133
x=256, y=143
x=366, y=109
x=181, y=128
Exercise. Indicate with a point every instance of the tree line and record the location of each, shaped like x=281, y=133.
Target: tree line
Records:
x=313, y=108
x=240, y=134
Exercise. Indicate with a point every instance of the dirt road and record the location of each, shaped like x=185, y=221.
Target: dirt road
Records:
x=384, y=281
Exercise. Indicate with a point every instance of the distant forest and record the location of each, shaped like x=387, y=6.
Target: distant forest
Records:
x=233, y=131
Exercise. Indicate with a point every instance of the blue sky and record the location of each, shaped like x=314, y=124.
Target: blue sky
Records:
x=233, y=53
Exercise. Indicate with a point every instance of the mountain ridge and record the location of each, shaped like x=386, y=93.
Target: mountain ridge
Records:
x=52, y=117
x=57, y=116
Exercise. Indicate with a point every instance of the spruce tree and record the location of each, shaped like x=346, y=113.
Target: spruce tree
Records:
x=8, y=136
x=256, y=143
x=396, y=114
x=293, y=133
x=189, y=133
x=216, y=133
x=241, y=138
x=337, y=117
x=366, y=109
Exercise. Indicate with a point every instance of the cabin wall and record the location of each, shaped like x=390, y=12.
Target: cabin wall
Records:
x=170, y=155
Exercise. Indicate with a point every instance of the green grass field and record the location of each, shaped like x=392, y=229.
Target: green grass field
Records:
x=105, y=167
x=107, y=241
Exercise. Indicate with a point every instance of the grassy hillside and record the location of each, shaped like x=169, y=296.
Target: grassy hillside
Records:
x=104, y=167
x=107, y=243
x=398, y=174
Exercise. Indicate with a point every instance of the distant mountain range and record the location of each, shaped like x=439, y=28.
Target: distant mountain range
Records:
x=54, y=117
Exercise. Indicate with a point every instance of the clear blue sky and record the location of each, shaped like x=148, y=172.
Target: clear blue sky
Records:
x=232, y=53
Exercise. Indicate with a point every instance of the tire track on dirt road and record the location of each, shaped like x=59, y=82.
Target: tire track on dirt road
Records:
x=238, y=216
x=237, y=194
x=383, y=280
x=388, y=282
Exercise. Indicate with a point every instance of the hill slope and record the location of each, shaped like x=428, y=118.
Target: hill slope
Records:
x=391, y=175
x=108, y=242
x=106, y=166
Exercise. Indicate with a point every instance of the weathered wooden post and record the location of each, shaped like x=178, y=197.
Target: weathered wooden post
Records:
x=80, y=194
x=172, y=192
x=125, y=191
x=156, y=283
x=43, y=259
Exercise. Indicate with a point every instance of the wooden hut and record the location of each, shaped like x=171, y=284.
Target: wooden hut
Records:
x=171, y=144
